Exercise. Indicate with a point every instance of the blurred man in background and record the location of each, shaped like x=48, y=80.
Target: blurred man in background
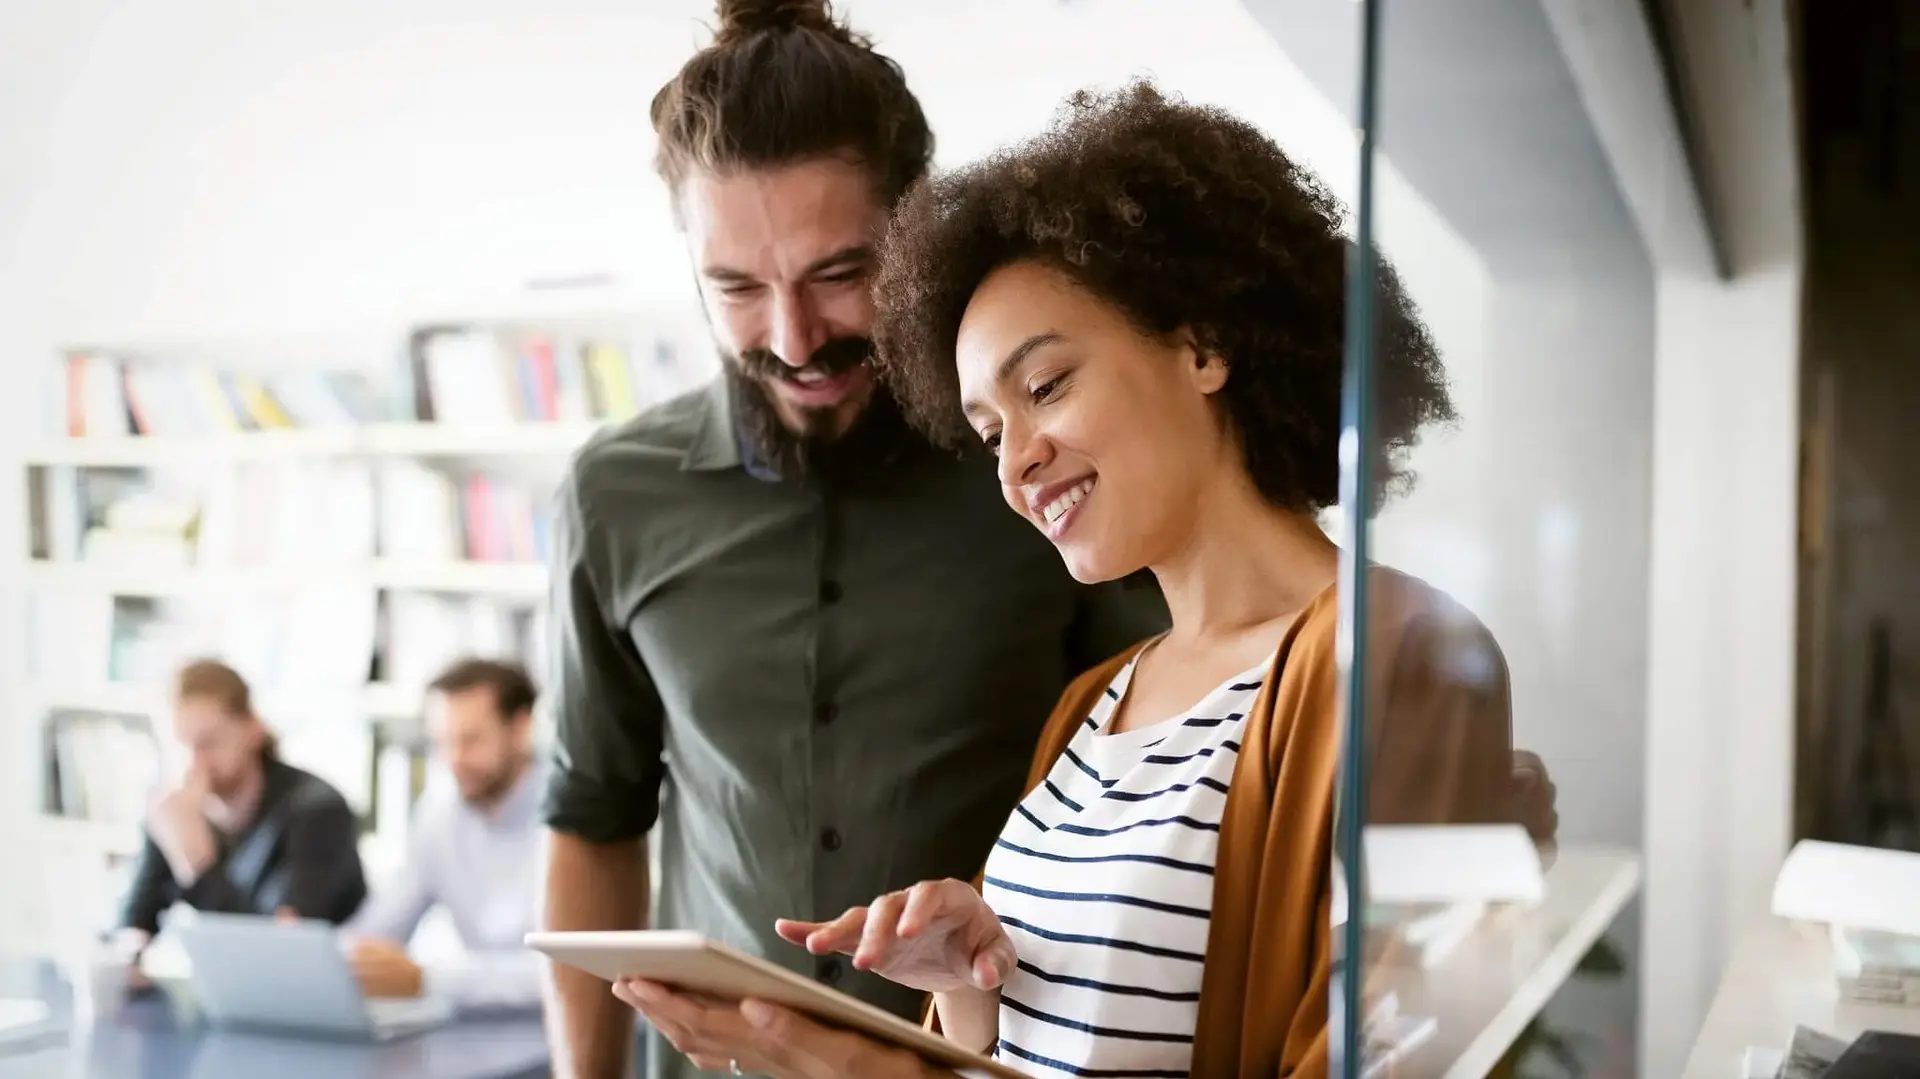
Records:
x=243, y=832
x=473, y=850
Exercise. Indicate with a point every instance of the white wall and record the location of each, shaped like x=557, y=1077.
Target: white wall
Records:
x=205, y=168
x=1721, y=622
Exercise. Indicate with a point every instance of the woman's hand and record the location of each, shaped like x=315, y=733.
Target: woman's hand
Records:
x=756, y=1038
x=938, y=936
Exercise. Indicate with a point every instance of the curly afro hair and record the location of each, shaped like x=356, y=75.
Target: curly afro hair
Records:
x=1180, y=216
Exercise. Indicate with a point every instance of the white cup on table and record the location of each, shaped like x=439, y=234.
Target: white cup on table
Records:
x=99, y=974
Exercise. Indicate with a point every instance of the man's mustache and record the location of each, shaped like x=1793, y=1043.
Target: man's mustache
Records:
x=835, y=357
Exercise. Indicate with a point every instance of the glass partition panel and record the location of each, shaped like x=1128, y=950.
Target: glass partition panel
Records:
x=1494, y=532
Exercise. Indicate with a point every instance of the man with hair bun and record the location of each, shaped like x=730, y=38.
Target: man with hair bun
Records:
x=804, y=649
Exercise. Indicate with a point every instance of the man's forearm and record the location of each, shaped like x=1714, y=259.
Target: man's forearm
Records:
x=490, y=980
x=591, y=886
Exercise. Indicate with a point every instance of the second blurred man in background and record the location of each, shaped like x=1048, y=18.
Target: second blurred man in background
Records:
x=473, y=850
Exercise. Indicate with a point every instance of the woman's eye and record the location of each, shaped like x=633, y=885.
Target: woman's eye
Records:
x=1045, y=389
x=992, y=442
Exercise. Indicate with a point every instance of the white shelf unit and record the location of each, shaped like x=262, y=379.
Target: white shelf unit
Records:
x=520, y=450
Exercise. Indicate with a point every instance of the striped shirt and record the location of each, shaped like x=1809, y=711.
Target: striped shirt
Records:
x=1103, y=879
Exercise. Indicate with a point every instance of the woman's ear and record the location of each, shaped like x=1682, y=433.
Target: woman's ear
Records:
x=1210, y=369
x=1206, y=367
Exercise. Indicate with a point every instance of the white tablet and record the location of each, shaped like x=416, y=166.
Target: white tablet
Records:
x=691, y=962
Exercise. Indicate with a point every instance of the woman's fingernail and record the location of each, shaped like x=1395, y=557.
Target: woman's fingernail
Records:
x=756, y=1013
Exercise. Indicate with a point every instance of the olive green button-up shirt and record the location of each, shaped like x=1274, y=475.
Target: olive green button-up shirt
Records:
x=819, y=694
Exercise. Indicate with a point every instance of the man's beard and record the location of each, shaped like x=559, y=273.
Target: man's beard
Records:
x=876, y=437
x=493, y=788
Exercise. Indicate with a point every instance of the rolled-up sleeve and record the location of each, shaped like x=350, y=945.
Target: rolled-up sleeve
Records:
x=1440, y=727
x=604, y=785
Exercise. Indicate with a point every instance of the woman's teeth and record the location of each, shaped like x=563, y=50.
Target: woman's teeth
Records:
x=1058, y=507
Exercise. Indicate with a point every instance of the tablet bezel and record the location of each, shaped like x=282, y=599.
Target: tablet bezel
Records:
x=692, y=962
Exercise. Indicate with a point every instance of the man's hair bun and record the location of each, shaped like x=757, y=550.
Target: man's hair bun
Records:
x=740, y=19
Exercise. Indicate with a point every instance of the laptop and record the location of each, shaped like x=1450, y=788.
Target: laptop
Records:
x=251, y=972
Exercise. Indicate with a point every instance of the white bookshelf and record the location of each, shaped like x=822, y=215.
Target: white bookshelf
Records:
x=520, y=454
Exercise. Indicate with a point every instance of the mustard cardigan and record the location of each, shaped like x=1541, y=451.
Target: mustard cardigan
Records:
x=1439, y=751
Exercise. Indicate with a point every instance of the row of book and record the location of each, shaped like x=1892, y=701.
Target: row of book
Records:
x=100, y=767
x=478, y=376
x=483, y=377
x=302, y=646
x=1876, y=967
x=109, y=397
x=319, y=645
x=428, y=515
x=422, y=633
x=293, y=511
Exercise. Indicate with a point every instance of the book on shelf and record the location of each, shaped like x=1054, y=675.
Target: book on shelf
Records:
x=423, y=633
x=107, y=397
x=100, y=767
x=287, y=646
x=481, y=376
x=287, y=513
x=1876, y=967
x=400, y=772
x=109, y=514
x=429, y=515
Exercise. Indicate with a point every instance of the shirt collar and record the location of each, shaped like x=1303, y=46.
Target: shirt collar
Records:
x=520, y=808
x=718, y=442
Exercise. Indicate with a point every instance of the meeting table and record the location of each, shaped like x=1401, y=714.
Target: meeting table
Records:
x=146, y=1040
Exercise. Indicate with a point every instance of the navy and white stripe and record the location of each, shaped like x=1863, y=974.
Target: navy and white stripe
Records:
x=1104, y=880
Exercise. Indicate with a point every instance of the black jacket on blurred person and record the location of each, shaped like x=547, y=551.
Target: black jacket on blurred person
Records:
x=299, y=852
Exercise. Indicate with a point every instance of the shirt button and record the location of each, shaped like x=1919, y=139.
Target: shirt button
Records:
x=825, y=712
x=830, y=839
x=830, y=591
x=828, y=970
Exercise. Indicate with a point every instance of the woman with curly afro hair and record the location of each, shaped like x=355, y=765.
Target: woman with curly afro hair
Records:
x=1140, y=313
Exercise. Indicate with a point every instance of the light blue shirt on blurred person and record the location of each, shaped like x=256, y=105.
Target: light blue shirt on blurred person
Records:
x=483, y=867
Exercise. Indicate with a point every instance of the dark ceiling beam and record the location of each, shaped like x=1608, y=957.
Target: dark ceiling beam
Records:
x=1670, y=46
